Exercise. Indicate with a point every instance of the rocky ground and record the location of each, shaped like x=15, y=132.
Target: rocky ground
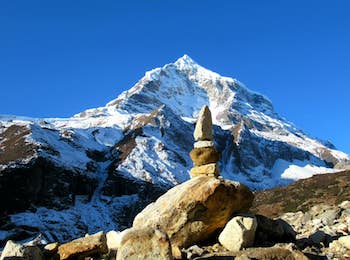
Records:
x=179, y=226
x=303, y=194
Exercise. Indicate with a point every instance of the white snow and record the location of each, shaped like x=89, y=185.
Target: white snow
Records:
x=297, y=170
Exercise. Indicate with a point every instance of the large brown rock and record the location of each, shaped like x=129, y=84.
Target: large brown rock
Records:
x=83, y=247
x=204, y=155
x=192, y=211
x=204, y=126
x=211, y=169
x=144, y=243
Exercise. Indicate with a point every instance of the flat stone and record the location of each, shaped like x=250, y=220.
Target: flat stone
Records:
x=201, y=144
x=211, y=169
x=205, y=155
x=51, y=248
x=144, y=243
x=204, y=126
x=239, y=233
x=84, y=247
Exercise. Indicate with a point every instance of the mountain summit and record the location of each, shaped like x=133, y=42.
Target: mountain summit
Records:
x=106, y=162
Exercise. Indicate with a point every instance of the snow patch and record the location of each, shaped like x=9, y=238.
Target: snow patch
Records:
x=297, y=170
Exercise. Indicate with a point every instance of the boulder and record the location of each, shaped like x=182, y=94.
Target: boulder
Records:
x=205, y=155
x=84, y=247
x=211, y=169
x=239, y=233
x=204, y=128
x=144, y=243
x=201, y=144
x=13, y=250
x=192, y=211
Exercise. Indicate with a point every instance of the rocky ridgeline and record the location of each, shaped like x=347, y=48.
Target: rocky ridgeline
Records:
x=207, y=217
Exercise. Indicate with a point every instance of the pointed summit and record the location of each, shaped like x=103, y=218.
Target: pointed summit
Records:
x=185, y=61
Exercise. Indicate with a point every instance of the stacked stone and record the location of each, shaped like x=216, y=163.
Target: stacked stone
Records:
x=204, y=155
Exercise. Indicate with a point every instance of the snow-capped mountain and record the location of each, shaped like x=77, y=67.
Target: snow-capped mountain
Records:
x=96, y=169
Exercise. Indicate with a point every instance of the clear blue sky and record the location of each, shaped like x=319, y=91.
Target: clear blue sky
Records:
x=58, y=58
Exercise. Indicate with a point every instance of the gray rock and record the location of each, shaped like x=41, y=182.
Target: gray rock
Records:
x=239, y=233
x=318, y=237
x=193, y=251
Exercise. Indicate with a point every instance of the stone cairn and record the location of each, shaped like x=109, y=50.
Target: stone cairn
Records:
x=204, y=155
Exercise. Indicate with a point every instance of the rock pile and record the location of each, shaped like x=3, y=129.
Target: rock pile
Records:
x=324, y=230
x=204, y=155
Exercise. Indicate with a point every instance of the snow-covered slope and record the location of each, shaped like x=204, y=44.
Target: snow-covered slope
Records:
x=246, y=117
x=105, y=162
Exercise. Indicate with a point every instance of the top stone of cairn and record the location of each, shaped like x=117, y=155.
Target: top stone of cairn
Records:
x=204, y=126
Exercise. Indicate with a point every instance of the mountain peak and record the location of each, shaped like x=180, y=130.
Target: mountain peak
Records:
x=185, y=61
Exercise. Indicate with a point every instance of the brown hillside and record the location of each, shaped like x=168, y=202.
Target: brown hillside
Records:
x=330, y=188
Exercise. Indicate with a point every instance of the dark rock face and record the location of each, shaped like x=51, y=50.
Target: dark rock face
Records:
x=41, y=184
x=14, y=146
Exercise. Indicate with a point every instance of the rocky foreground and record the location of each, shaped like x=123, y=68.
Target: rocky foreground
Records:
x=208, y=218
